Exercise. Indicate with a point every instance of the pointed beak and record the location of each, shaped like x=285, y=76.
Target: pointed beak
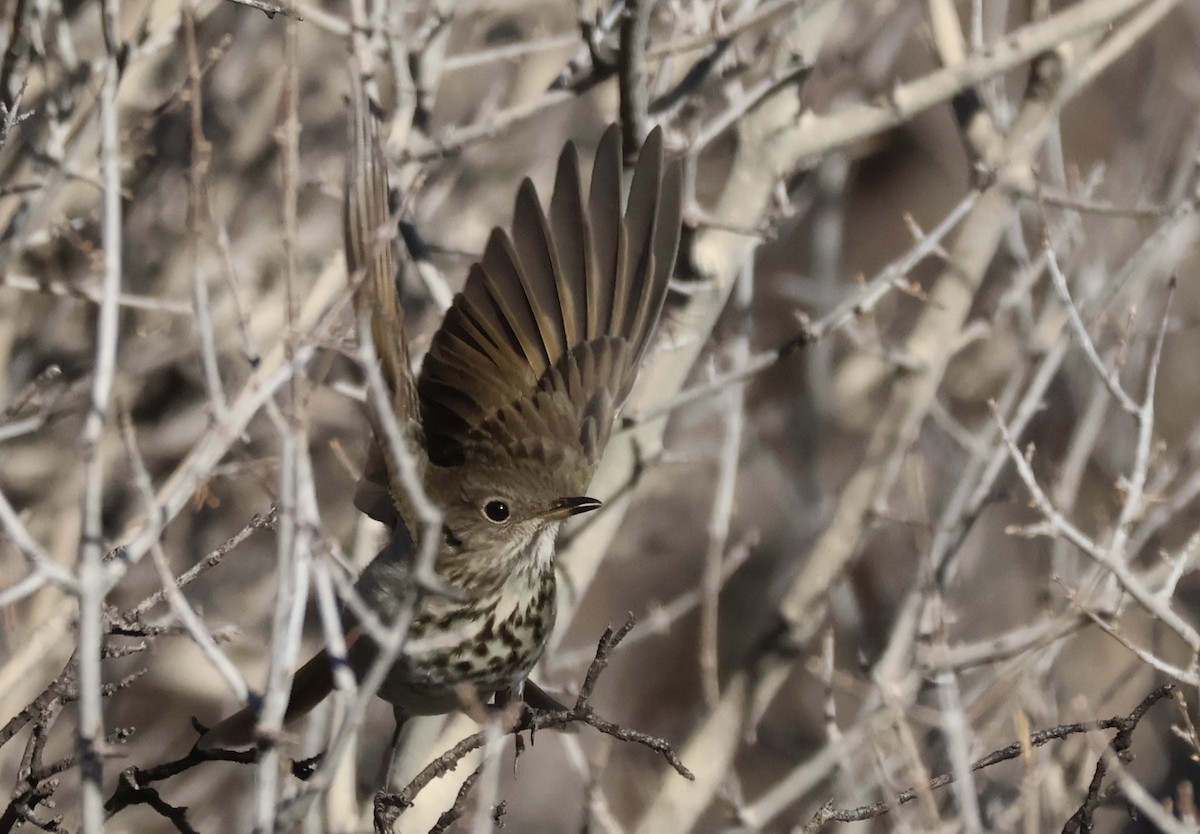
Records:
x=567, y=507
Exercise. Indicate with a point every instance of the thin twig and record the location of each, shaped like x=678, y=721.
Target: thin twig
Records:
x=170, y=588
x=93, y=586
x=1125, y=725
x=262, y=521
x=197, y=182
x=45, y=569
x=720, y=517
x=297, y=511
x=1057, y=524
x=858, y=303
x=631, y=74
x=130, y=301
x=1085, y=340
x=269, y=9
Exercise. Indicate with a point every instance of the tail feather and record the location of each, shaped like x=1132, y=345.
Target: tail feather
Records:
x=312, y=682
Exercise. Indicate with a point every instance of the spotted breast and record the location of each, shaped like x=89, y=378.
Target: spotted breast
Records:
x=491, y=643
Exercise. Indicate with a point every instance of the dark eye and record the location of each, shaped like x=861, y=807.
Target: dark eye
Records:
x=496, y=511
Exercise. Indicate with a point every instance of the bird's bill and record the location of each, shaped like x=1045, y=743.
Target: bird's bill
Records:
x=567, y=507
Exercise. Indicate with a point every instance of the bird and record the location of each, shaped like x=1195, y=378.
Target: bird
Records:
x=506, y=422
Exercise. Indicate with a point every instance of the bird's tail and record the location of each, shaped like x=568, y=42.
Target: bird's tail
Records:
x=312, y=682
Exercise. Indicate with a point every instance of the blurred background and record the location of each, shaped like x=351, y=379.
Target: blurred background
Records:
x=959, y=617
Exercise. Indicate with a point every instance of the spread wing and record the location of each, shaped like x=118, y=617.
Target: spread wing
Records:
x=365, y=226
x=546, y=336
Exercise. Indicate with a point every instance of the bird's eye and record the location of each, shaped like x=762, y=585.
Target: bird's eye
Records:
x=496, y=511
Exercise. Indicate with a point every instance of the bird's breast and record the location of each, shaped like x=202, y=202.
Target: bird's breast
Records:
x=491, y=643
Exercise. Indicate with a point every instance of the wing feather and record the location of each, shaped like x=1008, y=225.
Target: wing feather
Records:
x=365, y=221
x=544, y=341
x=666, y=244
x=503, y=281
x=572, y=239
x=604, y=212
x=539, y=269
x=637, y=235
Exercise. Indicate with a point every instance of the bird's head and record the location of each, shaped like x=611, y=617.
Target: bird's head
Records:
x=506, y=504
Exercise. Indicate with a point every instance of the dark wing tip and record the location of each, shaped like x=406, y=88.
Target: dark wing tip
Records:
x=527, y=194
x=653, y=144
x=569, y=156
x=610, y=139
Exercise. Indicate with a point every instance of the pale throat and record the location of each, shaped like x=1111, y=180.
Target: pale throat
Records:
x=524, y=572
x=524, y=567
x=515, y=571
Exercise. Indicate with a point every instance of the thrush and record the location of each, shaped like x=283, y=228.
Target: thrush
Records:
x=507, y=421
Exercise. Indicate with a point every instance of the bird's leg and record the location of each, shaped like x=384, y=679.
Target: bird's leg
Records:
x=531, y=697
x=538, y=698
x=508, y=706
x=394, y=747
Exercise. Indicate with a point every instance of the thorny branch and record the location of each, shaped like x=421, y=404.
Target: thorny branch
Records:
x=1124, y=725
x=38, y=781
